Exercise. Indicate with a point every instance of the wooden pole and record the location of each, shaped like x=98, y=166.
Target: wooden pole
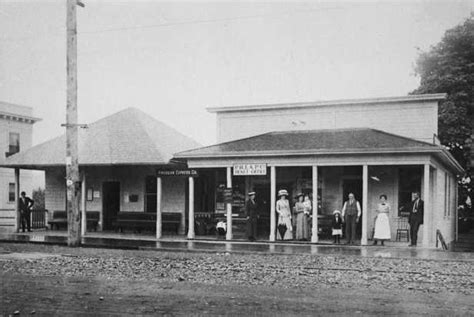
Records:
x=17, y=199
x=73, y=183
x=272, y=203
x=314, y=233
x=159, y=192
x=191, y=233
x=83, y=205
x=365, y=203
x=229, y=206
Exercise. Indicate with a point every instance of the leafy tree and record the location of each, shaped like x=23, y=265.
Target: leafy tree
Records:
x=448, y=67
x=38, y=198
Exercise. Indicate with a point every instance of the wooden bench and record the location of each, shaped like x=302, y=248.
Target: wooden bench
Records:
x=138, y=221
x=58, y=219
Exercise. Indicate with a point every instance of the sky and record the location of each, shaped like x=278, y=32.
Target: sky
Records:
x=174, y=59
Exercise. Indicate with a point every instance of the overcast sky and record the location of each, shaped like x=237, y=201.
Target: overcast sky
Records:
x=174, y=59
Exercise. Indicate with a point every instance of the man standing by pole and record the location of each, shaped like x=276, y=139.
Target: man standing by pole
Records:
x=72, y=163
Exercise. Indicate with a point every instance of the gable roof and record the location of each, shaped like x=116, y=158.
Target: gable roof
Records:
x=124, y=138
x=300, y=142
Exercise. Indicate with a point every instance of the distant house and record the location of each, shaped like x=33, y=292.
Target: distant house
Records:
x=119, y=157
x=16, y=130
x=329, y=149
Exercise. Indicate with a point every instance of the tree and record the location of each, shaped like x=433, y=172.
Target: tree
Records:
x=38, y=198
x=448, y=67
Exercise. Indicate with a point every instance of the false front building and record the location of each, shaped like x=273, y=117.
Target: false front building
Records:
x=329, y=149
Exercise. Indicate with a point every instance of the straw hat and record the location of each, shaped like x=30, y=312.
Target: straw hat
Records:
x=251, y=193
x=282, y=192
x=336, y=212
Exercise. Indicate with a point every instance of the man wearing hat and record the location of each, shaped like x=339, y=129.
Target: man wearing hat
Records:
x=251, y=211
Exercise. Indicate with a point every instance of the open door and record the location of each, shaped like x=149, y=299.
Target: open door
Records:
x=354, y=186
x=110, y=203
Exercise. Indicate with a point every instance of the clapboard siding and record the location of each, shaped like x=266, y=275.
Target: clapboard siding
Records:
x=417, y=119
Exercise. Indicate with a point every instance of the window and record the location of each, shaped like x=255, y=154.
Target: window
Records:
x=409, y=182
x=11, y=192
x=14, y=143
x=150, y=194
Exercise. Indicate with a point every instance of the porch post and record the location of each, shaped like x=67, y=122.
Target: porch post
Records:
x=158, y=208
x=229, y=206
x=191, y=234
x=427, y=205
x=365, y=204
x=314, y=233
x=272, y=203
x=83, y=205
x=17, y=199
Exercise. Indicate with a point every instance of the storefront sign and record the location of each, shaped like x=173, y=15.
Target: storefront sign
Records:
x=250, y=169
x=177, y=173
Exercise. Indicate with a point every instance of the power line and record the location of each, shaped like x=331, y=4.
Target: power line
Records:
x=171, y=24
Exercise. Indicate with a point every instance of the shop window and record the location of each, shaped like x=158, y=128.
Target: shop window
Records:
x=11, y=192
x=409, y=182
x=13, y=144
x=150, y=194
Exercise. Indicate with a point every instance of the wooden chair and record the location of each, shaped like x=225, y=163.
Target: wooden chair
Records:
x=403, y=229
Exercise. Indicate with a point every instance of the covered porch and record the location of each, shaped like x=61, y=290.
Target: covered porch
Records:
x=329, y=166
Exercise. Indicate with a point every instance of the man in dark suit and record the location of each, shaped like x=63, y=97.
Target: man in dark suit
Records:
x=25, y=205
x=251, y=211
x=416, y=217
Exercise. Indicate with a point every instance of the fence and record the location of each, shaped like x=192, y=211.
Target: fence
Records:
x=38, y=218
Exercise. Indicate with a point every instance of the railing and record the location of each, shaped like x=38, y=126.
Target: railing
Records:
x=38, y=218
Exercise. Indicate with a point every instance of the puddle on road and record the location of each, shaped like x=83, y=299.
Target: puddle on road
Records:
x=26, y=256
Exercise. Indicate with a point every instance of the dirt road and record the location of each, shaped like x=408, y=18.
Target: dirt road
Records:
x=47, y=280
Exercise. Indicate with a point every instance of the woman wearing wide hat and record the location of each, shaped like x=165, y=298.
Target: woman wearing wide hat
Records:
x=285, y=229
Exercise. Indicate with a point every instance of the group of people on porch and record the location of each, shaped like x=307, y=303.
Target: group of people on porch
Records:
x=295, y=222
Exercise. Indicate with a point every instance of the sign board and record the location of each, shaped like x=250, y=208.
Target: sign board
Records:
x=177, y=173
x=250, y=169
x=228, y=195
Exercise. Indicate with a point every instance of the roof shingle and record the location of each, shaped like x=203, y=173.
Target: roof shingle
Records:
x=126, y=137
x=312, y=141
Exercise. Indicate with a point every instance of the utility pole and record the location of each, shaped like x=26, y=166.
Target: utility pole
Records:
x=73, y=183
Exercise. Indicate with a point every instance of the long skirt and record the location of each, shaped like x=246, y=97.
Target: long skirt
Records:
x=302, y=228
x=382, y=227
x=288, y=235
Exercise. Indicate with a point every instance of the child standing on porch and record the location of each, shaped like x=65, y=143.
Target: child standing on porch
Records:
x=337, y=226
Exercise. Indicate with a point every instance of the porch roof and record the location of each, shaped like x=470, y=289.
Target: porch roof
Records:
x=318, y=142
x=128, y=137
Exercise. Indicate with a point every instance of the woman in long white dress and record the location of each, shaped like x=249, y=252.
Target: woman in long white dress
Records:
x=382, y=224
x=285, y=229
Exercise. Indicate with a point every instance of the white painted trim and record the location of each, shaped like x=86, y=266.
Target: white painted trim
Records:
x=191, y=233
x=159, y=192
x=367, y=101
x=272, y=203
x=229, y=205
x=83, y=205
x=365, y=203
x=314, y=233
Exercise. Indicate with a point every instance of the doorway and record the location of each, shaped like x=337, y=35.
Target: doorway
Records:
x=354, y=185
x=110, y=203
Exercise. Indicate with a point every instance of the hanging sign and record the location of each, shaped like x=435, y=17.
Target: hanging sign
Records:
x=250, y=169
x=177, y=173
